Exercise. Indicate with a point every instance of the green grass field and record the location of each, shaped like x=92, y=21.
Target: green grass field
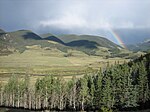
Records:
x=39, y=62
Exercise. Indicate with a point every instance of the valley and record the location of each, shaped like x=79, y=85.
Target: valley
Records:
x=24, y=51
x=65, y=72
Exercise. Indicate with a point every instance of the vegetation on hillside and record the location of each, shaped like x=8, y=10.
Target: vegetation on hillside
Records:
x=89, y=44
x=23, y=38
x=5, y=47
x=52, y=37
x=18, y=41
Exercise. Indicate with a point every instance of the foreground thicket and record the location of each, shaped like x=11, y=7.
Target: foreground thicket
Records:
x=118, y=86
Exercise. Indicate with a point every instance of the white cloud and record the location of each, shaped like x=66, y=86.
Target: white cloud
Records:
x=124, y=24
x=90, y=15
x=71, y=21
x=65, y=22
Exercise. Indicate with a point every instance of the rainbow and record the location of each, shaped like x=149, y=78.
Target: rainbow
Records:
x=117, y=37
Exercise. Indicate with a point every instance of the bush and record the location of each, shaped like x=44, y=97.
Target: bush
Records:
x=68, y=54
x=105, y=109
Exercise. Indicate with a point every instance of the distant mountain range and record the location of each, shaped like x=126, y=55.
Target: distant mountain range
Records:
x=89, y=44
x=88, y=41
x=92, y=45
x=142, y=46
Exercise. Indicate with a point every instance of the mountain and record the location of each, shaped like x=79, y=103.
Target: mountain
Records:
x=89, y=44
x=74, y=40
x=143, y=46
x=2, y=31
x=21, y=40
x=25, y=35
x=24, y=38
x=5, y=43
x=51, y=37
x=83, y=43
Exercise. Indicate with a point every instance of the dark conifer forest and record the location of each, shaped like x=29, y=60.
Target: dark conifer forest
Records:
x=120, y=86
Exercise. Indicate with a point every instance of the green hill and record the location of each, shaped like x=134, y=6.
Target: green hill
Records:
x=51, y=37
x=101, y=41
x=90, y=44
x=5, y=46
x=23, y=38
x=83, y=43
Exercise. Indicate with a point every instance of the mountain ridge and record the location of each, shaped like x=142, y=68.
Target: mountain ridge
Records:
x=51, y=37
x=103, y=42
x=89, y=44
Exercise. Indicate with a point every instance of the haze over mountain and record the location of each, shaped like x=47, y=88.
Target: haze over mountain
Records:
x=142, y=46
x=127, y=35
x=133, y=36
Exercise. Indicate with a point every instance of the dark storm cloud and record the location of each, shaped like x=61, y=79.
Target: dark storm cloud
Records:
x=73, y=16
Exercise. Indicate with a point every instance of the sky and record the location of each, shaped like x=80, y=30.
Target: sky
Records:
x=74, y=16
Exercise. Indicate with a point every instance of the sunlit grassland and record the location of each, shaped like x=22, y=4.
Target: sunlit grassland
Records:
x=40, y=62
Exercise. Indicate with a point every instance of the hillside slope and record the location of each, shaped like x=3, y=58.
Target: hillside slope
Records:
x=91, y=45
x=24, y=38
x=5, y=43
x=143, y=46
x=103, y=42
x=51, y=37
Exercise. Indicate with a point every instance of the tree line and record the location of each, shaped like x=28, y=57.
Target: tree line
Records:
x=118, y=86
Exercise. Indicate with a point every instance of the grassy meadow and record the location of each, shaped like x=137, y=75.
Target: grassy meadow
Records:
x=39, y=62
